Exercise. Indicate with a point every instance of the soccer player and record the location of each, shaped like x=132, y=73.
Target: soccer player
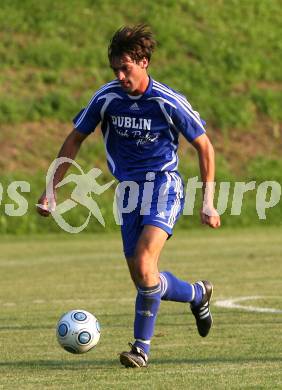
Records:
x=141, y=120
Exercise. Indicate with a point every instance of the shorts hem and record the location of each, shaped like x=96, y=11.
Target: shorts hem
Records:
x=161, y=225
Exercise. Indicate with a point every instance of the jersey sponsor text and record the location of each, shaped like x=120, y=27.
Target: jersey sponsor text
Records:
x=131, y=122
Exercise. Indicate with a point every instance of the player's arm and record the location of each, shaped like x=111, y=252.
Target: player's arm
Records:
x=69, y=149
x=209, y=215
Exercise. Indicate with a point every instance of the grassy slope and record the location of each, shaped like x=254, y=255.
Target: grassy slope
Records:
x=224, y=56
x=41, y=278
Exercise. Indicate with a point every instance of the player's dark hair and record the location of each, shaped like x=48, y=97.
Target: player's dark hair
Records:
x=136, y=41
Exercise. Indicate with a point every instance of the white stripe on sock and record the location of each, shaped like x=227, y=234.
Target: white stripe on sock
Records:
x=148, y=342
x=193, y=293
x=163, y=284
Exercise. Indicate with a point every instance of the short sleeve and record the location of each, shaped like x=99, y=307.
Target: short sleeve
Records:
x=188, y=121
x=88, y=118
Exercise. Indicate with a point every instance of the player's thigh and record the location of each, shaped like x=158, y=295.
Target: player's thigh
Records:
x=150, y=243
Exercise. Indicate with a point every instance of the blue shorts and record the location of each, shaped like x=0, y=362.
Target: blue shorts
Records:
x=158, y=201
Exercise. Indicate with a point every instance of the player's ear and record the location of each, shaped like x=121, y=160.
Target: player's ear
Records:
x=144, y=63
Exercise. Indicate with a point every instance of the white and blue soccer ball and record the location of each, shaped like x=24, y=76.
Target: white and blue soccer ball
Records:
x=78, y=331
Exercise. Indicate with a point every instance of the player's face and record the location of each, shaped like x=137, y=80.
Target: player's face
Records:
x=132, y=75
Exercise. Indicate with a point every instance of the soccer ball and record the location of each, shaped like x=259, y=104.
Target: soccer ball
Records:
x=78, y=331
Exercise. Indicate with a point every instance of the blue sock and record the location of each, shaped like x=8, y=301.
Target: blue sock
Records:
x=198, y=294
x=174, y=289
x=146, y=309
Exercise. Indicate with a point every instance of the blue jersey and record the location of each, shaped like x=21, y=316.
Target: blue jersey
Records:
x=140, y=132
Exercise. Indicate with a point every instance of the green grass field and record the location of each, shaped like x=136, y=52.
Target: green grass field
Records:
x=42, y=277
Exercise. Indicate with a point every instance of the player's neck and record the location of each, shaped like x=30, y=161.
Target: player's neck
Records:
x=142, y=86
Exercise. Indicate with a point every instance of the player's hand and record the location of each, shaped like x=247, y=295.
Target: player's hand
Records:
x=46, y=205
x=210, y=217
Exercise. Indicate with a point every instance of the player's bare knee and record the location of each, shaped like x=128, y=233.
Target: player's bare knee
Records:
x=143, y=279
x=145, y=272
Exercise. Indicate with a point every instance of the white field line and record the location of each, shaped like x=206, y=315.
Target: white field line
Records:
x=231, y=303
x=235, y=303
x=67, y=301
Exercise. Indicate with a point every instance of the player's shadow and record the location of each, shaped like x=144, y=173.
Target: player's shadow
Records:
x=215, y=359
x=109, y=364
x=61, y=364
x=24, y=327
